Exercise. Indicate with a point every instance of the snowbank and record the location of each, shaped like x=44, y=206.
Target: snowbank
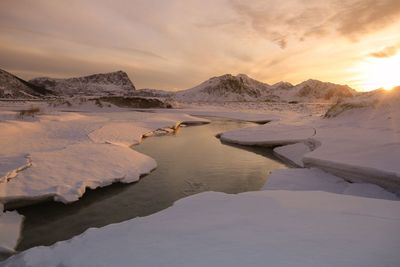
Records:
x=270, y=134
x=293, y=153
x=60, y=154
x=359, y=139
x=314, y=179
x=10, y=228
x=128, y=134
x=277, y=228
x=65, y=174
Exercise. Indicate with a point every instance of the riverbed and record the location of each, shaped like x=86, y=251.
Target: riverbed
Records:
x=190, y=161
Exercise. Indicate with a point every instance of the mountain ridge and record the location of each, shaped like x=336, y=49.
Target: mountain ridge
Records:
x=11, y=86
x=241, y=87
x=111, y=83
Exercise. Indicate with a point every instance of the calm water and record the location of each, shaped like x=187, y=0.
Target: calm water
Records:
x=191, y=161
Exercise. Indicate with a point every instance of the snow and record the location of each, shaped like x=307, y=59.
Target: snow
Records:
x=121, y=133
x=10, y=227
x=304, y=217
x=271, y=134
x=58, y=155
x=10, y=166
x=360, y=141
x=293, y=153
x=230, y=88
x=113, y=83
x=277, y=228
x=212, y=111
x=65, y=174
x=313, y=179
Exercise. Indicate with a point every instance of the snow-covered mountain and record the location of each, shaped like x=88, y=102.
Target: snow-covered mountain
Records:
x=225, y=88
x=243, y=88
x=13, y=87
x=312, y=90
x=113, y=83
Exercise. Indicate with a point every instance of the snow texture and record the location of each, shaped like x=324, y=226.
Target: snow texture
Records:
x=314, y=179
x=293, y=153
x=113, y=83
x=229, y=88
x=10, y=228
x=360, y=144
x=58, y=155
x=277, y=228
x=65, y=174
x=270, y=134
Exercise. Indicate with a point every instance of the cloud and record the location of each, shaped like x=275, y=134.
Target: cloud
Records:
x=280, y=21
x=355, y=18
x=388, y=51
x=139, y=52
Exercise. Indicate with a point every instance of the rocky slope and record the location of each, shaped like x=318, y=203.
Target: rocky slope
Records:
x=113, y=83
x=16, y=88
x=146, y=92
x=225, y=88
x=243, y=88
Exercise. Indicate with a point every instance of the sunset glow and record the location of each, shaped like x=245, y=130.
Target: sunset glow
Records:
x=380, y=73
x=176, y=44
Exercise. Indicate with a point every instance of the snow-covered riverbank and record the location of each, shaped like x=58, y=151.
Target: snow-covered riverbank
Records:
x=58, y=155
x=309, y=216
x=359, y=140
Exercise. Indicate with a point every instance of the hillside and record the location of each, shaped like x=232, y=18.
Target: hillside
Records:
x=14, y=87
x=113, y=83
x=243, y=88
x=225, y=88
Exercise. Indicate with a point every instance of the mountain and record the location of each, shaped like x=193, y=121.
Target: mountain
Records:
x=243, y=88
x=113, y=83
x=313, y=90
x=12, y=86
x=323, y=90
x=225, y=88
x=146, y=92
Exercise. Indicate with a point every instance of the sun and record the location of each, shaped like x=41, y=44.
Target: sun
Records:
x=377, y=73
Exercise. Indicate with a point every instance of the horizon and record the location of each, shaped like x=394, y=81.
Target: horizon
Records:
x=176, y=45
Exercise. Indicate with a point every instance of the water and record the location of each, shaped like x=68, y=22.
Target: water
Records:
x=191, y=161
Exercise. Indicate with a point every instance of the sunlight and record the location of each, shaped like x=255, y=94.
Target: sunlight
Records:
x=377, y=73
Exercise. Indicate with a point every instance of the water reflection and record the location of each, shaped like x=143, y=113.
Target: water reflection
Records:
x=192, y=161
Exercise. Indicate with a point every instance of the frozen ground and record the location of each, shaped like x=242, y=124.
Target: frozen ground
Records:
x=305, y=217
x=56, y=155
x=278, y=228
x=313, y=179
x=359, y=140
x=10, y=227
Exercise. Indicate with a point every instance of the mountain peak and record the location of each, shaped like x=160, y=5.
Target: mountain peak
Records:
x=111, y=83
x=225, y=88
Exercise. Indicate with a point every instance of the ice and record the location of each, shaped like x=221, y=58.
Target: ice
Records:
x=218, y=112
x=313, y=179
x=60, y=154
x=358, y=140
x=65, y=174
x=10, y=227
x=270, y=134
x=127, y=133
x=306, y=217
x=293, y=153
x=267, y=228
x=10, y=166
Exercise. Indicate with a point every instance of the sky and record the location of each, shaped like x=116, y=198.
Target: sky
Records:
x=176, y=44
